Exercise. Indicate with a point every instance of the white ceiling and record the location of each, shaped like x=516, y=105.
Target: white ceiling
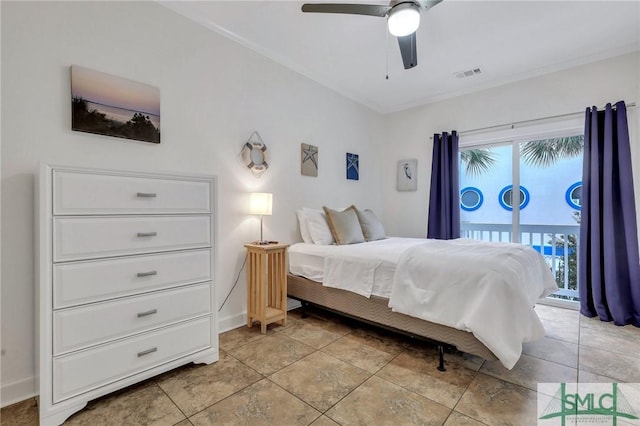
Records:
x=508, y=40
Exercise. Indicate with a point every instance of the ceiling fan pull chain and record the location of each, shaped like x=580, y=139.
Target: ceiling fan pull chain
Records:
x=386, y=50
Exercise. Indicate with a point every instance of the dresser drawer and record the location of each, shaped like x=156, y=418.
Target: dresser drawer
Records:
x=86, y=370
x=78, y=238
x=84, y=326
x=88, y=281
x=91, y=193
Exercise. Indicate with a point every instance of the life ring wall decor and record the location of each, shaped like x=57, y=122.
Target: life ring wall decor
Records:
x=254, y=155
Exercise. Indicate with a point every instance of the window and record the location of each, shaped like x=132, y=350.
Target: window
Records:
x=470, y=199
x=574, y=195
x=506, y=197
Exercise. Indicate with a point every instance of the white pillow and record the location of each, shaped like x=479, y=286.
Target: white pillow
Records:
x=304, y=227
x=318, y=226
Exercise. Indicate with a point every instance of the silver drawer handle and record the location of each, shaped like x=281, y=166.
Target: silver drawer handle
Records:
x=146, y=274
x=146, y=313
x=147, y=234
x=146, y=194
x=147, y=352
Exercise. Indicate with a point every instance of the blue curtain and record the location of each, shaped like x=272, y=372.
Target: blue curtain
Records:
x=444, y=198
x=609, y=269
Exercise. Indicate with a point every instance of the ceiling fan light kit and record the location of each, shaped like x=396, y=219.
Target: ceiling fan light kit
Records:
x=404, y=19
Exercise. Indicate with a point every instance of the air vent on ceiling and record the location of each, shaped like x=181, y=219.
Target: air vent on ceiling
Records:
x=468, y=73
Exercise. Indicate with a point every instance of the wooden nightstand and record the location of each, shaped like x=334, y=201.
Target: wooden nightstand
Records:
x=267, y=284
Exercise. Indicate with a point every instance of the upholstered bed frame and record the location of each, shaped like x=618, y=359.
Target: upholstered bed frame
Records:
x=376, y=310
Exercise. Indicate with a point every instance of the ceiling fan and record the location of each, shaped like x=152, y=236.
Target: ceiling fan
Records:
x=403, y=19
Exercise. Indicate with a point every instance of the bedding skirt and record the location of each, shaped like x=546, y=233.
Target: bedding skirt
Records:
x=375, y=310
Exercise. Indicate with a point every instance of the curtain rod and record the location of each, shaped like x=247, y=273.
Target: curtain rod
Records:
x=533, y=120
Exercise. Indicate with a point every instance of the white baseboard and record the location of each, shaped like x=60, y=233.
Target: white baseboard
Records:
x=235, y=321
x=229, y=323
x=10, y=393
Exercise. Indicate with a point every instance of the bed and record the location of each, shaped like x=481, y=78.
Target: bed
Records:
x=374, y=281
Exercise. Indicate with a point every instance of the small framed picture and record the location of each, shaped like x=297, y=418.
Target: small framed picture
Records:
x=308, y=160
x=353, y=166
x=407, y=176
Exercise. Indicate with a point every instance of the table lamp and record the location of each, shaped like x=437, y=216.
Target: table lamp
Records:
x=260, y=203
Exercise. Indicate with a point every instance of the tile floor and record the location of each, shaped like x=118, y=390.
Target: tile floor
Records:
x=327, y=370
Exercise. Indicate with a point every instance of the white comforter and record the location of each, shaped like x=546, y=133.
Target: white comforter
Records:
x=488, y=289
x=366, y=268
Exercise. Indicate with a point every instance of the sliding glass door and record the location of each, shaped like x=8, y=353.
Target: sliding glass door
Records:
x=527, y=191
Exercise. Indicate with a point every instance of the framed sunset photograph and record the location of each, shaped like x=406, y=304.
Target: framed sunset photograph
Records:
x=108, y=105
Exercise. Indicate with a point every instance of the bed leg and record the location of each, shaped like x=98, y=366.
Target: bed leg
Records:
x=441, y=358
x=305, y=305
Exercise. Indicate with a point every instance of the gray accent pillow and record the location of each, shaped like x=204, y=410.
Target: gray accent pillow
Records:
x=344, y=225
x=372, y=228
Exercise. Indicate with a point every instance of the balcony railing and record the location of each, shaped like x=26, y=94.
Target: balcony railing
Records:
x=557, y=243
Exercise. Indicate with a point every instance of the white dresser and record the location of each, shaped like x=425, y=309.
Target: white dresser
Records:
x=126, y=281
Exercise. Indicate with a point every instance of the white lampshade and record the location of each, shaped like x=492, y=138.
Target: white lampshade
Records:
x=404, y=19
x=260, y=203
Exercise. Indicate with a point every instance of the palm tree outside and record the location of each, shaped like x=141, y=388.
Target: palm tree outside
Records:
x=547, y=152
x=477, y=161
x=543, y=153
